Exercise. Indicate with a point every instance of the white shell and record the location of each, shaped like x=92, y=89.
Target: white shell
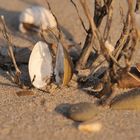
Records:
x=109, y=46
x=40, y=64
x=38, y=16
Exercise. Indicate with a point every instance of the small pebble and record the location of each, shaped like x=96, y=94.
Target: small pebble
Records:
x=90, y=126
x=82, y=111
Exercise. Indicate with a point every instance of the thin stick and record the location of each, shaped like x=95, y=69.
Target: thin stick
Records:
x=79, y=16
x=10, y=49
x=122, y=14
x=108, y=23
x=87, y=48
x=89, y=40
x=88, y=15
x=123, y=38
x=58, y=27
x=91, y=36
x=97, y=34
x=134, y=31
x=100, y=12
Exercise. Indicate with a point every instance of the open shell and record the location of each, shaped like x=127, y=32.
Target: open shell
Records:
x=36, y=17
x=40, y=65
x=63, y=67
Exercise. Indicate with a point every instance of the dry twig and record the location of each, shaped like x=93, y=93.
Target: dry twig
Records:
x=97, y=34
x=108, y=23
x=82, y=23
x=100, y=11
x=10, y=49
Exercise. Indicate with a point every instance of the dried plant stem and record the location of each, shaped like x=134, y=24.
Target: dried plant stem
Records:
x=82, y=23
x=90, y=41
x=123, y=38
x=88, y=46
x=10, y=49
x=134, y=31
x=97, y=34
x=128, y=38
x=100, y=11
x=137, y=5
x=98, y=64
x=85, y=53
x=108, y=23
x=100, y=60
x=130, y=22
x=89, y=16
x=58, y=27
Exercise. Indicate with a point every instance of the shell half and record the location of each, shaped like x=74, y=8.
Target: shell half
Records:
x=40, y=65
x=63, y=67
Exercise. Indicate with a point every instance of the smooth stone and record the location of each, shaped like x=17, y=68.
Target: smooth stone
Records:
x=82, y=111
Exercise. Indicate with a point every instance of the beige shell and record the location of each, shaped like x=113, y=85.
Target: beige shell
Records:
x=90, y=126
x=109, y=46
x=37, y=16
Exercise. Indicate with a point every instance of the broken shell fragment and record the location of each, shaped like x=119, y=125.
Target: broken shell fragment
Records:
x=109, y=46
x=40, y=65
x=90, y=126
x=63, y=67
x=36, y=17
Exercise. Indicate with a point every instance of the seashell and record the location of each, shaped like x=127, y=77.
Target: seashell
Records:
x=63, y=67
x=36, y=17
x=90, y=126
x=40, y=65
x=109, y=46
